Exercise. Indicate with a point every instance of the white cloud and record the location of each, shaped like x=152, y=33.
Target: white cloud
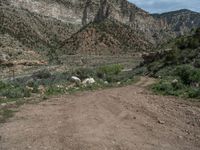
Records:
x=157, y=6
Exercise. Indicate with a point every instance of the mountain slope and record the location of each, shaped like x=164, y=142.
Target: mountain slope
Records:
x=105, y=37
x=82, y=12
x=35, y=32
x=182, y=21
x=44, y=25
x=12, y=50
x=32, y=29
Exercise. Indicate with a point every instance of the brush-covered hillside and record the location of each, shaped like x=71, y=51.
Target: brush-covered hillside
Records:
x=178, y=67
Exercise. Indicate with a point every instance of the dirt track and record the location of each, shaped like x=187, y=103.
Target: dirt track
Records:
x=127, y=118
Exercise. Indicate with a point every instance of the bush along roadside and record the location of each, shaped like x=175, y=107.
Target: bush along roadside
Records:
x=92, y=79
x=43, y=84
x=183, y=81
x=177, y=67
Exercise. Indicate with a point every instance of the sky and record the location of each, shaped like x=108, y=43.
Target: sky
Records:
x=159, y=6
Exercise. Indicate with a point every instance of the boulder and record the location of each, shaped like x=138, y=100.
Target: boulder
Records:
x=29, y=88
x=41, y=89
x=3, y=104
x=118, y=83
x=75, y=80
x=88, y=81
x=175, y=81
x=106, y=82
x=161, y=122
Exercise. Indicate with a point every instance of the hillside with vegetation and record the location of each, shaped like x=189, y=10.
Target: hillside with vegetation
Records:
x=178, y=67
x=105, y=38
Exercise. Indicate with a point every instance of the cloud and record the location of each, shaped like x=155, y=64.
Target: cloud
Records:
x=158, y=6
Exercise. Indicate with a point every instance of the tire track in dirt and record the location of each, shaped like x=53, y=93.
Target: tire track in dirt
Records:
x=124, y=118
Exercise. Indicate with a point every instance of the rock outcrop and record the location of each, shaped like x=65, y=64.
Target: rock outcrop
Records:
x=104, y=11
x=180, y=22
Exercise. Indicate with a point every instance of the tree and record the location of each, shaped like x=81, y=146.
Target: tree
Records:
x=197, y=34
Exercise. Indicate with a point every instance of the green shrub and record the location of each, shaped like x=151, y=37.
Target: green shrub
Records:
x=197, y=33
x=15, y=92
x=182, y=43
x=140, y=70
x=193, y=43
x=42, y=74
x=194, y=93
x=167, y=87
x=155, y=67
x=53, y=79
x=3, y=85
x=188, y=74
x=122, y=77
x=172, y=57
x=109, y=70
x=163, y=87
x=30, y=83
x=84, y=73
x=184, y=73
x=166, y=72
x=53, y=90
x=197, y=63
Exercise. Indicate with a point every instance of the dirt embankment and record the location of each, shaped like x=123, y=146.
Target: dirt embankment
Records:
x=127, y=118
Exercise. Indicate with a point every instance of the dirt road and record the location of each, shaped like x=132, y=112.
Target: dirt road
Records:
x=127, y=118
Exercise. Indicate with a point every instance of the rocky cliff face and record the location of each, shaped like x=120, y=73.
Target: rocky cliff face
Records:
x=71, y=11
x=66, y=24
x=155, y=28
x=180, y=22
x=84, y=11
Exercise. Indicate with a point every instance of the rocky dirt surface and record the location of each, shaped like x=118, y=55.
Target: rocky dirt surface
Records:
x=123, y=118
